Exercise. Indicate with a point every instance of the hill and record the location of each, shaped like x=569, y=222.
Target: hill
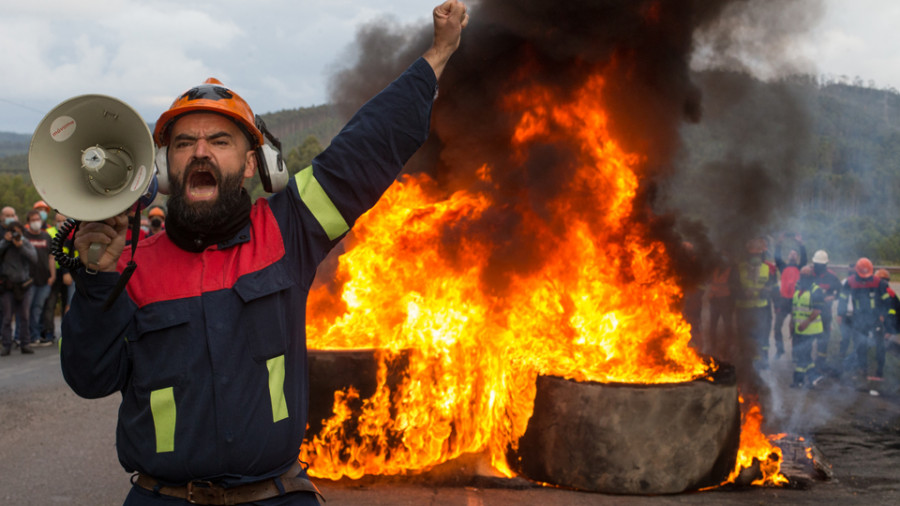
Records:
x=13, y=144
x=292, y=126
x=818, y=157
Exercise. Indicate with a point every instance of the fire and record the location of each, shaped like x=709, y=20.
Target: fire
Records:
x=594, y=300
x=757, y=449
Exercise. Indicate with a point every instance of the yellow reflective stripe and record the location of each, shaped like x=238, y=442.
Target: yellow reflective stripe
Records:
x=276, y=388
x=313, y=195
x=162, y=404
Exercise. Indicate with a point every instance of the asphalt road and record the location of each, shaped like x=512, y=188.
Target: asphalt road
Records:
x=59, y=449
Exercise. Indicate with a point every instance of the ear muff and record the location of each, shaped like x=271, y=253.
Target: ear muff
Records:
x=272, y=169
x=270, y=164
x=162, y=170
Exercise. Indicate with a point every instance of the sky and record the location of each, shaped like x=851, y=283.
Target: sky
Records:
x=278, y=54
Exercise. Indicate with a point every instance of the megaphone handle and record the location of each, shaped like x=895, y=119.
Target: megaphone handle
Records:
x=95, y=251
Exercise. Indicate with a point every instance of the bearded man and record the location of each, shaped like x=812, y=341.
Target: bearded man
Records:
x=208, y=348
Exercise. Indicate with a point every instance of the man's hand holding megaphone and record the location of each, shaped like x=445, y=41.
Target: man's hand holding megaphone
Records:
x=109, y=234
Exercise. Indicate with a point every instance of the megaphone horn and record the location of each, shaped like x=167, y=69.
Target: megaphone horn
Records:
x=91, y=157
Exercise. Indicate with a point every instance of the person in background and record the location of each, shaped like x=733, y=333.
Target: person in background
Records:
x=806, y=325
x=721, y=309
x=60, y=291
x=9, y=216
x=790, y=273
x=17, y=256
x=157, y=216
x=888, y=327
x=753, y=279
x=44, y=211
x=692, y=310
x=210, y=358
x=892, y=324
x=44, y=275
x=830, y=285
x=864, y=297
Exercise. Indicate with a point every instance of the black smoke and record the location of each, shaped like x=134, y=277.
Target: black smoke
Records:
x=646, y=48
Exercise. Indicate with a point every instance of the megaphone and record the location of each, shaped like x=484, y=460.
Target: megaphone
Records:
x=91, y=158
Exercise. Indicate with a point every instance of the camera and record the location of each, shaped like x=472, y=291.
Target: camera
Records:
x=16, y=235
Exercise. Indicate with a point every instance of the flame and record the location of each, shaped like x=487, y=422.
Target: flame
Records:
x=757, y=448
x=599, y=304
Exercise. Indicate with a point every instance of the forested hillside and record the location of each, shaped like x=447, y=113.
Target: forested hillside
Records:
x=304, y=132
x=819, y=158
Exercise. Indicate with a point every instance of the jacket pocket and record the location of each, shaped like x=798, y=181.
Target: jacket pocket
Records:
x=268, y=305
x=159, y=345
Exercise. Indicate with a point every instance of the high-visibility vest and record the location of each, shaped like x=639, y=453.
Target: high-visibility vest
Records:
x=803, y=309
x=753, y=285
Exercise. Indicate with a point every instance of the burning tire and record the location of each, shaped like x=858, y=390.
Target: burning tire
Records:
x=631, y=439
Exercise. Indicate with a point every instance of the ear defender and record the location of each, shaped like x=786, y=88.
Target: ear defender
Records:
x=162, y=170
x=272, y=169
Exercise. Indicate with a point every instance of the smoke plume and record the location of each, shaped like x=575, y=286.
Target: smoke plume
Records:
x=669, y=68
x=647, y=47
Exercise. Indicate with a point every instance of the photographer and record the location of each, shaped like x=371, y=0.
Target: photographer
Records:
x=17, y=256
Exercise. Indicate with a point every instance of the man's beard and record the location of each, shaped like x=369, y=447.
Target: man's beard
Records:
x=206, y=216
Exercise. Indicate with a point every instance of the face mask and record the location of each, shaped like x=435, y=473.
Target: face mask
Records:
x=36, y=225
x=8, y=221
x=43, y=215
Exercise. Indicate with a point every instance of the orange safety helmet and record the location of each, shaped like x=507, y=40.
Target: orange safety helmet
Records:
x=864, y=268
x=156, y=211
x=211, y=96
x=883, y=274
x=40, y=204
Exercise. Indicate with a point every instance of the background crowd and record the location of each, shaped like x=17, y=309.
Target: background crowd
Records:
x=34, y=287
x=777, y=295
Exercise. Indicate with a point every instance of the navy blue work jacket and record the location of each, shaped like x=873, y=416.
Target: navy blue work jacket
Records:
x=208, y=349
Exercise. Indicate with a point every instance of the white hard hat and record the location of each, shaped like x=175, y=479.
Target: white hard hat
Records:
x=820, y=257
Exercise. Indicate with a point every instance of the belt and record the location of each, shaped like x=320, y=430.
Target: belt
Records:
x=207, y=492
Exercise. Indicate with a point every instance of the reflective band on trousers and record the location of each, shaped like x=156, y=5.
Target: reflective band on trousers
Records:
x=276, y=388
x=313, y=195
x=162, y=405
x=802, y=310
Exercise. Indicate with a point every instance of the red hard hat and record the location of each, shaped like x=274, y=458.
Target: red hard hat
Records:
x=211, y=96
x=864, y=267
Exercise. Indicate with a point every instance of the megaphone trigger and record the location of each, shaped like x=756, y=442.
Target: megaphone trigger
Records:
x=95, y=251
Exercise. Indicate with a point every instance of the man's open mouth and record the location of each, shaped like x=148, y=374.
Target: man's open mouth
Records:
x=202, y=185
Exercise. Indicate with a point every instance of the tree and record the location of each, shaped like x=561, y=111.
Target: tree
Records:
x=296, y=160
x=16, y=192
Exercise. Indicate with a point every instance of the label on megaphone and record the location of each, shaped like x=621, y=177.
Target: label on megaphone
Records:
x=62, y=128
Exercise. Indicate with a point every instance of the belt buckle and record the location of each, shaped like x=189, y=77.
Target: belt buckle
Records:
x=204, y=492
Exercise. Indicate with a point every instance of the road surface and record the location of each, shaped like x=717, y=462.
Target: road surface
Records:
x=60, y=449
